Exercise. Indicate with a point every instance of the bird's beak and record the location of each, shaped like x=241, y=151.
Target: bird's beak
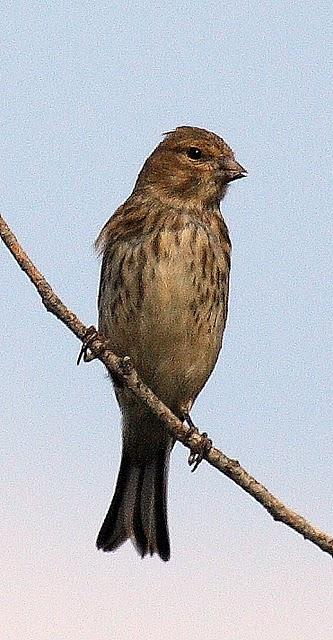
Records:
x=234, y=170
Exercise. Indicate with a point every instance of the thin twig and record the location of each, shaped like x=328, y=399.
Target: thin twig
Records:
x=99, y=347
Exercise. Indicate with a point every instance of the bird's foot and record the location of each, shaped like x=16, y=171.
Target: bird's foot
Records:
x=87, y=356
x=197, y=451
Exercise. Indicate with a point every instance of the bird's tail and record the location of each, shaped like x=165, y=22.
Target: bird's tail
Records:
x=138, y=509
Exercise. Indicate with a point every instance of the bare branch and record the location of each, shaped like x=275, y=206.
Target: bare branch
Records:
x=120, y=367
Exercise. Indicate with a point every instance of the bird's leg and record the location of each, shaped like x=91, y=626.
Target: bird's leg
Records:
x=198, y=451
x=192, y=428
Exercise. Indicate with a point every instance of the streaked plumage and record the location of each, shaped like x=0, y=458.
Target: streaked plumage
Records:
x=163, y=301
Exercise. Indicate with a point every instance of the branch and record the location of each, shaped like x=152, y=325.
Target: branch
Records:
x=119, y=367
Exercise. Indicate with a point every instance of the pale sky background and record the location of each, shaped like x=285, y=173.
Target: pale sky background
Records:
x=87, y=89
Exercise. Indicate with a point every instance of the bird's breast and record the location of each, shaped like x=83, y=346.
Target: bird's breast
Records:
x=164, y=304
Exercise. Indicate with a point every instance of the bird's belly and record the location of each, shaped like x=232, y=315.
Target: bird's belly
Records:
x=174, y=328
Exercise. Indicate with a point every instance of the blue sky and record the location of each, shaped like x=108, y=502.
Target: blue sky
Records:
x=87, y=90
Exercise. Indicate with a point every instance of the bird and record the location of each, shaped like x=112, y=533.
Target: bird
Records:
x=163, y=302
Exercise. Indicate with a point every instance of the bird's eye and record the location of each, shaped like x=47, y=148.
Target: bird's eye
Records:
x=194, y=153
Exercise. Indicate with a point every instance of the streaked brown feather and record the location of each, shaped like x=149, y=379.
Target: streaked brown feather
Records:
x=163, y=300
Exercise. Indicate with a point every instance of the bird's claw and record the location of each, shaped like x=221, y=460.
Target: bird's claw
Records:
x=197, y=451
x=87, y=356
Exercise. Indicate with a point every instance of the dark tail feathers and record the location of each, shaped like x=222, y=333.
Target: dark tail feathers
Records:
x=138, y=509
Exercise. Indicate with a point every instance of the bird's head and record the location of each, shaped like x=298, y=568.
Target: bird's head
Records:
x=192, y=165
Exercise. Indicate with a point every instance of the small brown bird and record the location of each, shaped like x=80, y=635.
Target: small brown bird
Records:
x=163, y=301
